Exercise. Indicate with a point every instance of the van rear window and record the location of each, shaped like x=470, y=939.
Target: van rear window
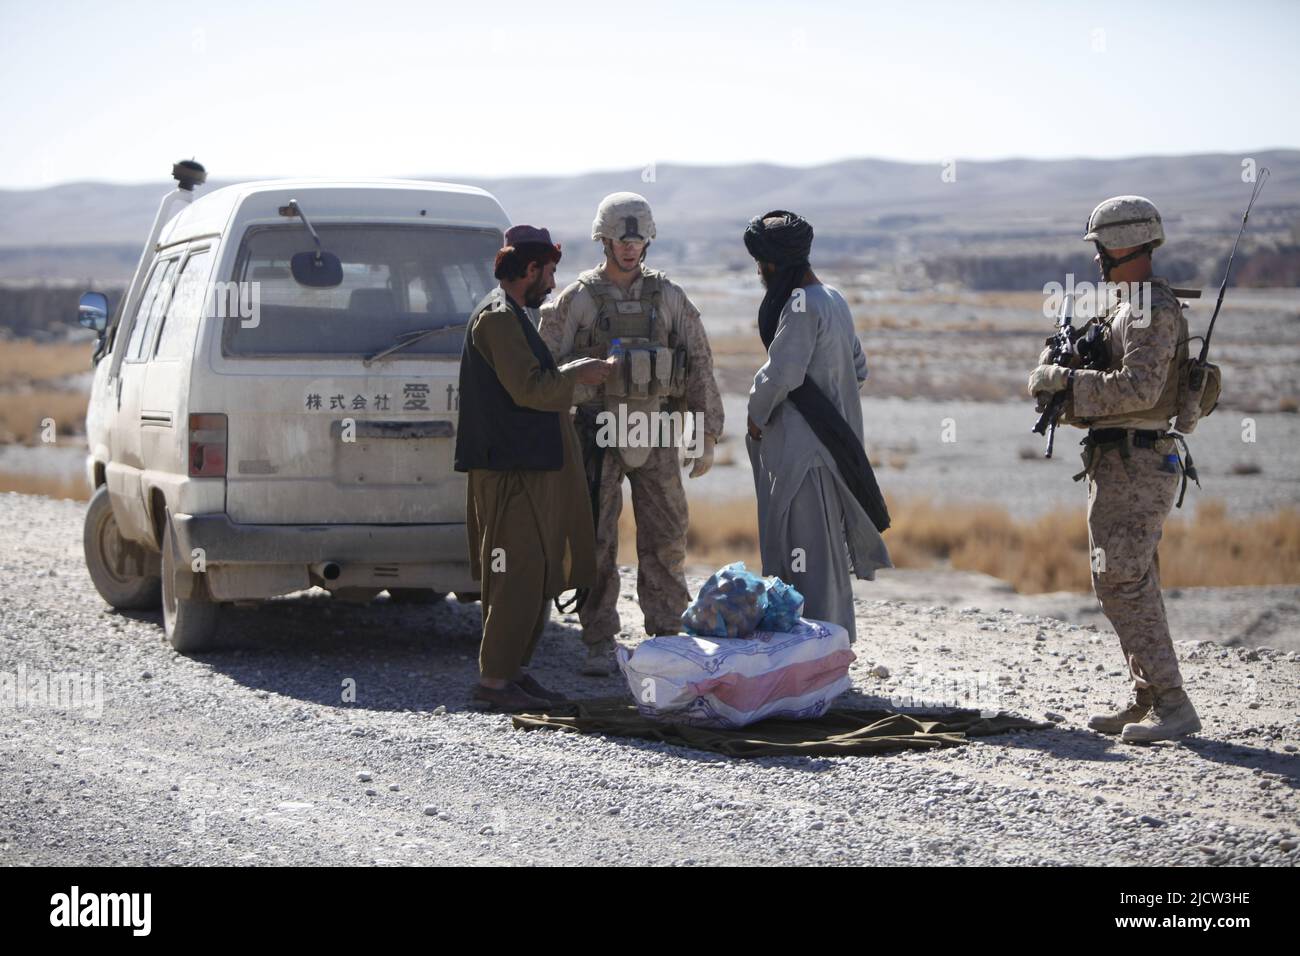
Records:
x=396, y=279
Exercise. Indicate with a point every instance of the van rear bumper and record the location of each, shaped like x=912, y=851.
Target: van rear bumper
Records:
x=225, y=542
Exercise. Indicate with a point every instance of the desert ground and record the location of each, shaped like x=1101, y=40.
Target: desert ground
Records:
x=250, y=755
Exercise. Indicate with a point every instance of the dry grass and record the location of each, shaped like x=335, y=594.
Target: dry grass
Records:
x=1012, y=301
x=885, y=323
x=1217, y=550
x=1049, y=553
x=24, y=362
x=29, y=394
x=735, y=346
x=51, y=486
x=23, y=410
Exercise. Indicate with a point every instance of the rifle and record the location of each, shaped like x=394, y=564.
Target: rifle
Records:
x=1196, y=375
x=1074, y=348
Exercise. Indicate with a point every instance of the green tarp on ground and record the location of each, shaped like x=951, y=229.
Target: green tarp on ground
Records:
x=842, y=731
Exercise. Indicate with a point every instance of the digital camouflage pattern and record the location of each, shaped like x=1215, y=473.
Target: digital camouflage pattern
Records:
x=1148, y=345
x=574, y=310
x=659, y=509
x=658, y=499
x=1129, y=496
x=1128, y=501
x=623, y=216
x=1124, y=221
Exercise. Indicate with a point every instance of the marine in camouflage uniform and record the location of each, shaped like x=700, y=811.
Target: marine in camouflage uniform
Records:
x=1131, y=463
x=645, y=308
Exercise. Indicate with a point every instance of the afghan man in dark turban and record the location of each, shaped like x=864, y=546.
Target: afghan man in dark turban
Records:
x=820, y=512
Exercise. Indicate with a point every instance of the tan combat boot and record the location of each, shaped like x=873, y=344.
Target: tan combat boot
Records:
x=600, y=659
x=1135, y=711
x=1172, y=716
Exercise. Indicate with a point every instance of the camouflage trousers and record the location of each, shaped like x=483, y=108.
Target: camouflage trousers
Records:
x=659, y=508
x=1128, y=501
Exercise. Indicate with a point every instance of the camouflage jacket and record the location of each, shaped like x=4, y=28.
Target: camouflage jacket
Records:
x=1148, y=345
x=574, y=309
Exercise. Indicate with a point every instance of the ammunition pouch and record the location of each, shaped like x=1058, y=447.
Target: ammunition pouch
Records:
x=655, y=360
x=647, y=371
x=1199, y=387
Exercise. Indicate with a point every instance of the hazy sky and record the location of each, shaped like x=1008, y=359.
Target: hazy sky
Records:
x=119, y=90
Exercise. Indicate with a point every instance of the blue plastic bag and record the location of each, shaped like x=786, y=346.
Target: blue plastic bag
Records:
x=784, y=607
x=735, y=603
x=731, y=603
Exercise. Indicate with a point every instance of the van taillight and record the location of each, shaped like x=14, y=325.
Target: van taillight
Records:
x=207, y=446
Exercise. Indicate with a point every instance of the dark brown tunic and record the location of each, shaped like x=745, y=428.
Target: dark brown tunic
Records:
x=531, y=516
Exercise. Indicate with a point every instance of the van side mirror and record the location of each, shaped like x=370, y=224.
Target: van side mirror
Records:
x=92, y=311
x=317, y=270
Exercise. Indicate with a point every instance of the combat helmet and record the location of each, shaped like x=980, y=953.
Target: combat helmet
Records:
x=1123, y=221
x=623, y=216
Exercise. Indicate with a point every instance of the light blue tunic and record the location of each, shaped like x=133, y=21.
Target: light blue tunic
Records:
x=812, y=531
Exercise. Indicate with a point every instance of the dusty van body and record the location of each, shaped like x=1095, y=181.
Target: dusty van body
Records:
x=247, y=438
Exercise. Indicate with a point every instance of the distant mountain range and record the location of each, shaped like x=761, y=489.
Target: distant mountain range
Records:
x=877, y=212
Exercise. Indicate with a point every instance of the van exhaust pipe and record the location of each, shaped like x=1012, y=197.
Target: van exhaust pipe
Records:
x=326, y=570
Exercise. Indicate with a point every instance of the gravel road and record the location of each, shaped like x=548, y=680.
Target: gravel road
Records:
x=251, y=756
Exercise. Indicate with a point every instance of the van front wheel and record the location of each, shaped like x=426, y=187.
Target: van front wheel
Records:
x=189, y=613
x=119, y=569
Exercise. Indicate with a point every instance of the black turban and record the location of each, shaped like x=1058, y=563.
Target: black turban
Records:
x=785, y=242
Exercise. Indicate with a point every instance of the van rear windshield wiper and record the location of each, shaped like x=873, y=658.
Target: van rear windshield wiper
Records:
x=410, y=338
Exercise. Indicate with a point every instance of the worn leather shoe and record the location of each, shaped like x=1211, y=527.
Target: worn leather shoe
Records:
x=530, y=685
x=510, y=699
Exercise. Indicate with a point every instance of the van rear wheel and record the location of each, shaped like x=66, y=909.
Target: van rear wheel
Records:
x=119, y=569
x=189, y=613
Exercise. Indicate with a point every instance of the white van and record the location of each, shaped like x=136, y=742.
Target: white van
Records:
x=275, y=399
